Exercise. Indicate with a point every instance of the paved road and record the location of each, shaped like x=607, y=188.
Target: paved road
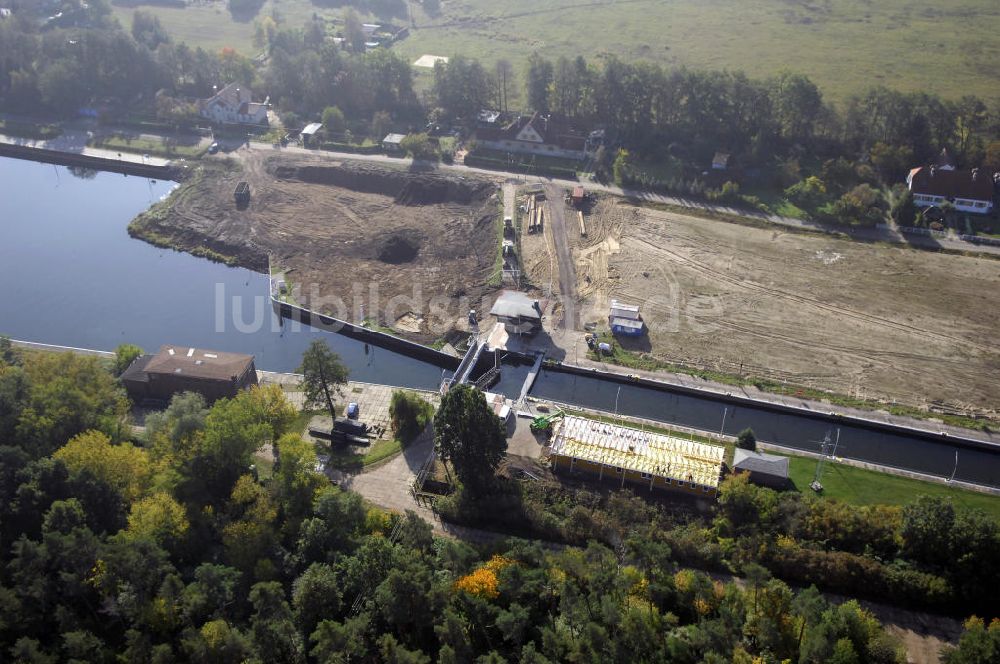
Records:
x=567, y=268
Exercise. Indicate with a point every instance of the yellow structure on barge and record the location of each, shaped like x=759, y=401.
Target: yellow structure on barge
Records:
x=640, y=457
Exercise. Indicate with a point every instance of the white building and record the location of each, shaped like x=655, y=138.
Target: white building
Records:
x=234, y=105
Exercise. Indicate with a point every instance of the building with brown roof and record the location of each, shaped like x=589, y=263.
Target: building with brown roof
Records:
x=968, y=190
x=539, y=135
x=212, y=374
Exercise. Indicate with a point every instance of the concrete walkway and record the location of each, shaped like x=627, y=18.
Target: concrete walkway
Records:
x=76, y=143
x=389, y=484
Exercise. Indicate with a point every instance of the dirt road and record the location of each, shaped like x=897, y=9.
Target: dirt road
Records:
x=564, y=256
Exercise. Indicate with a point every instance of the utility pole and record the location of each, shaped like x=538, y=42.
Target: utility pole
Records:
x=722, y=426
x=955, y=470
x=826, y=452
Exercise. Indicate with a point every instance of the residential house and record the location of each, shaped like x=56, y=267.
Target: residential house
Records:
x=968, y=190
x=642, y=458
x=212, y=374
x=234, y=105
x=537, y=134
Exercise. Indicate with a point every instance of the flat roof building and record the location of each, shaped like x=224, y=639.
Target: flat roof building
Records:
x=175, y=369
x=624, y=319
x=639, y=457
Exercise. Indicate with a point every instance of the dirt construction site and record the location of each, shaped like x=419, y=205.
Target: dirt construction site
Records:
x=863, y=319
x=344, y=233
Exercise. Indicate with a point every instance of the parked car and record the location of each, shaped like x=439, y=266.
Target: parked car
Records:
x=213, y=148
x=353, y=410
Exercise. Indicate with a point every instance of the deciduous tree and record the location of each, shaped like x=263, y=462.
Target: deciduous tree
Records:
x=468, y=435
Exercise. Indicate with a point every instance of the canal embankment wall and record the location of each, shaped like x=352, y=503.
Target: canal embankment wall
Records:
x=834, y=416
x=126, y=165
x=374, y=337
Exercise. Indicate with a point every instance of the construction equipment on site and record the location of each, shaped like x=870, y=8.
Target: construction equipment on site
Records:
x=545, y=422
x=242, y=193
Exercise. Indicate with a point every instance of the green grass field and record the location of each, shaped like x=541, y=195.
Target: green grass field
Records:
x=866, y=487
x=844, y=45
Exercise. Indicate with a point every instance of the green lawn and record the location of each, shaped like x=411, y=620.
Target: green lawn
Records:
x=843, y=46
x=157, y=147
x=866, y=487
x=380, y=450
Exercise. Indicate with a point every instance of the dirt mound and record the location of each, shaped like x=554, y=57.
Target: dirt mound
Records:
x=399, y=248
x=405, y=187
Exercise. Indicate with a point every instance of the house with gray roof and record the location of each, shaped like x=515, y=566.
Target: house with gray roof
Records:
x=765, y=469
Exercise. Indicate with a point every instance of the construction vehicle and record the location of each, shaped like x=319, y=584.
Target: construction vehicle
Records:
x=545, y=422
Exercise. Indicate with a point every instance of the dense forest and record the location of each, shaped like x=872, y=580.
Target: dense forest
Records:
x=163, y=544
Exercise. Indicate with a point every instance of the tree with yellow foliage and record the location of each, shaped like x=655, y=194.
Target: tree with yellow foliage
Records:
x=124, y=467
x=159, y=518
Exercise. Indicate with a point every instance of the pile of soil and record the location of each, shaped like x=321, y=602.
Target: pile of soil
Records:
x=405, y=187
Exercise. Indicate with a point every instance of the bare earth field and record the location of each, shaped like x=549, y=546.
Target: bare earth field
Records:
x=347, y=234
x=863, y=319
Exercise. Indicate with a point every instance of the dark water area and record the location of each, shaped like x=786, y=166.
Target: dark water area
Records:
x=72, y=276
x=906, y=451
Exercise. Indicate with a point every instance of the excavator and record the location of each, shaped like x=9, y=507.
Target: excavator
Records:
x=545, y=422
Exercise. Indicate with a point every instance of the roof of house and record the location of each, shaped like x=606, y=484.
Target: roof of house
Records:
x=394, y=138
x=513, y=304
x=488, y=116
x=550, y=128
x=638, y=451
x=622, y=310
x=755, y=462
x=312, y=128
x=136, y=371
x=720, y=160
x=232, y=95
x=975, y=184
x=196, y=363
x=944, y=160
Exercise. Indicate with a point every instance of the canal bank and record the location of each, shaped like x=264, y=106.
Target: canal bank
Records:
x=96, y=159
